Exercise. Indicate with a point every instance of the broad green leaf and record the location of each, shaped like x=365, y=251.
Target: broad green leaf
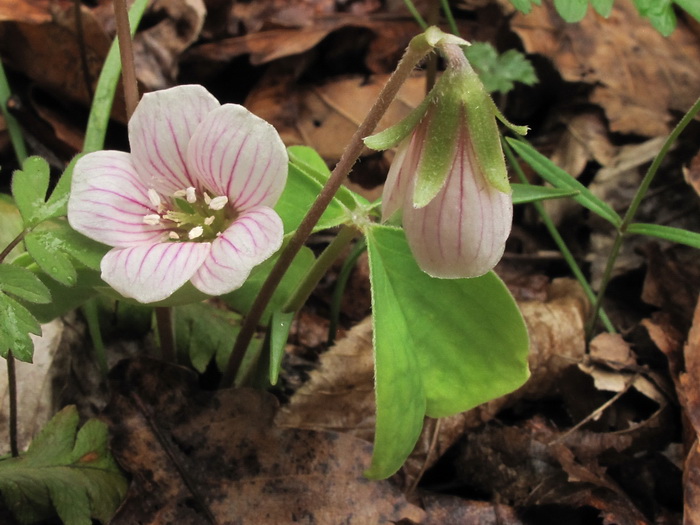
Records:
x=23, y=283
x=664, y=21
x=524, y=6
x=280, y=323
x=29, y=186
x=310, y=162
x=561, y=179
x=523, y=193
x=692, y=7
x=499, y=72
x=202, y=331
x=298, y=196
x=603, y=7
x=571, y=10
x=45, y=249
x=441, y=346
x=242, y=299
x=64, y=472
x=666, y=232
x=16, y=323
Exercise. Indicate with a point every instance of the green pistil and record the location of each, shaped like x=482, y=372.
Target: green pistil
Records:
x=187, y=216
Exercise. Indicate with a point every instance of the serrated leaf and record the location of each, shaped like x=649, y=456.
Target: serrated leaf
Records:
x=29, y=186
x=571, y=10
x=202, y=330
x=46, y=250
x=65, y=473
x=16, y=323
x=499, y=72
x=64, y=298
x=666, y=232
x=561, y=179
x=442, y=346
x=23, y=283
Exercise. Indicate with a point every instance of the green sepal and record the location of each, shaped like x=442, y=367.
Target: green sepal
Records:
x=441, y=143
x=520, y=130
x=484, y=135
x=391, y=136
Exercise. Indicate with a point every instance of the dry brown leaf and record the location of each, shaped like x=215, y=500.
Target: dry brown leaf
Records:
x=638, y=76
x=157, y=50
x=612, y=350
x=443, y=509
x=691, y=174
x=690, y=378
x=26, y=11
x=340, y=393
x=201, y=457
x=325, y=117
x=691, y=487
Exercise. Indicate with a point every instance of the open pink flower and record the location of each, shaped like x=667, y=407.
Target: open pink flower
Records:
x=191, y=202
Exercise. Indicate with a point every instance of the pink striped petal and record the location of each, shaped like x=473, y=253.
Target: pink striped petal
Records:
x=159, y=131
x=153, y=273
x=403, y=170
x=251, y=239
x=108, y=201
x=463, y=230
x=236, y=154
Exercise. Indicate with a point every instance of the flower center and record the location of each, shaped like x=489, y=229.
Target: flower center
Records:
x=191, y=215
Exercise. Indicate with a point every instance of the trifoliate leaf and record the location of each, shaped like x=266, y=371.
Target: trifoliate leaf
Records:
x=500, y=72
x=66, y=473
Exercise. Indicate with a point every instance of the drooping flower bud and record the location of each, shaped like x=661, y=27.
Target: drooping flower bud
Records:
x=449, y=176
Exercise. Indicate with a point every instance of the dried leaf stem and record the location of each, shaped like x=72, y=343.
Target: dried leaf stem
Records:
x=416, y=51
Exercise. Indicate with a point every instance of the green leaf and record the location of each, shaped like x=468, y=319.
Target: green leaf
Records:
x=571, y=10
x=242, y=299
x=310, y=162
x=66, y=298
x=524, y=6
x=11, y=225
x=500, y=72
x=692, y=7
x=561, y=179
x=664, y=21
x=57, y=204
x=666, y=232
x=524, y=193
x=603, y=7
x=29, y=186
x=45, y=249
x=441, y=346
x=64, y=472
x=16, y=323
x=280, y=323
x=82, y=249
x=202, y=331
x=23, y=283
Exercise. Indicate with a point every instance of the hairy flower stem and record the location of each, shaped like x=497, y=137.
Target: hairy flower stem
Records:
x=126, y=52
x=418, y=48
x=12, y=391
x=632, y=210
